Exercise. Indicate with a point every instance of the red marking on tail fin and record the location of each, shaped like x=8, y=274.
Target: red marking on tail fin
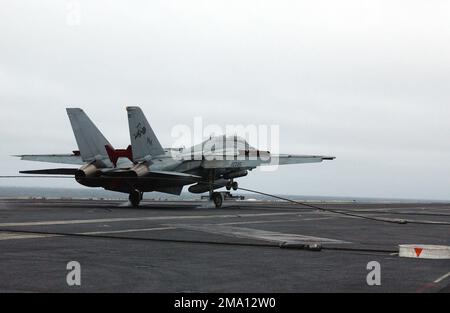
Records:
x=418, y=251
x=115, y=154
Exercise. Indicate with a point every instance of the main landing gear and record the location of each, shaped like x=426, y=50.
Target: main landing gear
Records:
x=135, y=198
x=217, y=199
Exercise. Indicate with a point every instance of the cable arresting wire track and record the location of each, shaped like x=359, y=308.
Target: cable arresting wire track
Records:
x=376, y=219
x=296, y=246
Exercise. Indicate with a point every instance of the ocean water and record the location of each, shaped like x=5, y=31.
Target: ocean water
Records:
x=97, y=193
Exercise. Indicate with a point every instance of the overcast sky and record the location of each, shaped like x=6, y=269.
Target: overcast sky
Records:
x=365, y=81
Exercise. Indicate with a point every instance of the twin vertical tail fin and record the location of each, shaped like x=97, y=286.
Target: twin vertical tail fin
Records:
x=91, y=142
x=94, y=146
x=143, y=139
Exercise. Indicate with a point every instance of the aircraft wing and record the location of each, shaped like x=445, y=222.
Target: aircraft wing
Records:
x=283, y=159
x=53, y=158
x=267, y=159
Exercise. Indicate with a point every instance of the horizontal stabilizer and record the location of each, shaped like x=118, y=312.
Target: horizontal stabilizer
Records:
x=53, y=158
x=53, y=171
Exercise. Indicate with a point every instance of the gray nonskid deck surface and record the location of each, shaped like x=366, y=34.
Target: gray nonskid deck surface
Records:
x=192, y=247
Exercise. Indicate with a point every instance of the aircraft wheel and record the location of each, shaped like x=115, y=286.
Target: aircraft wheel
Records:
x=217, y=198
x=235, y=185
x=135, y=198
x=228, y=185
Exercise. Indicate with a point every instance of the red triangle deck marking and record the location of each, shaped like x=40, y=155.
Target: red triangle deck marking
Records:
x=418, y=251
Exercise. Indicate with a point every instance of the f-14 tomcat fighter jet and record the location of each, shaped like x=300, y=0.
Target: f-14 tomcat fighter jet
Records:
x=146, y=166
